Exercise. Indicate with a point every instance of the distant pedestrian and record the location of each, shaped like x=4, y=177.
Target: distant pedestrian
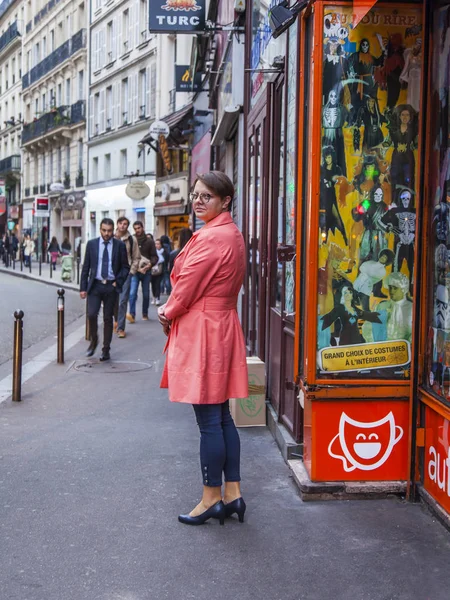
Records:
x=54, y=250
x=28, y=247
x=133, y=255
x=184, y=235
x=143, y=275
x=165, y=280
x=104, y=272
x=157, y=273
x=66, y=247
x=206, y=354
x=14, y=246
x=6, y=248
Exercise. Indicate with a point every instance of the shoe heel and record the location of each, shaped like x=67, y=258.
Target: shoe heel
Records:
x=241, y=518
x=222, y=520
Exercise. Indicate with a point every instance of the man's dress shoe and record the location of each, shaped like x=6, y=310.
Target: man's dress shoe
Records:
x=105, y=356
x=91, y=350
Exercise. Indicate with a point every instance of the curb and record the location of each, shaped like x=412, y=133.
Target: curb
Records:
x=59, y=284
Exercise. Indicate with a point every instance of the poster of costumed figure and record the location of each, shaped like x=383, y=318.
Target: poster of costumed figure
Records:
x=370, y=122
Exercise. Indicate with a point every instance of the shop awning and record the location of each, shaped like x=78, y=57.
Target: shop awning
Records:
x=172, y=120
x=226, y=127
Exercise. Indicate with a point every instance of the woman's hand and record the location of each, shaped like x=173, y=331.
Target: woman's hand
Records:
x=164, y=321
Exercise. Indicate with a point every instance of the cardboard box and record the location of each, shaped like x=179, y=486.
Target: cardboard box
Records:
x=251, y=411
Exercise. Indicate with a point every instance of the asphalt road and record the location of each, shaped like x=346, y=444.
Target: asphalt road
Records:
x=38, y=302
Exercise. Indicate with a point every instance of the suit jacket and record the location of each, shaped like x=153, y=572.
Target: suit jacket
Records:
x=120, y=265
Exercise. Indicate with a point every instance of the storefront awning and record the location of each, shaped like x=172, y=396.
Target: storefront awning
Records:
x=226, y=127
x=172, y=121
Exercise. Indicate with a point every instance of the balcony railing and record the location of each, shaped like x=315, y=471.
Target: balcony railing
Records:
x=27, y=192
x=10, y=34
x=42, y=188
x=54, y=59
x=35, y=189
x=5, y=5
x=59, y=117
x=10, y=163
x=79, y=181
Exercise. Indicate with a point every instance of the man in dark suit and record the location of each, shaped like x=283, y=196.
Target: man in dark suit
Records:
x=105, y=270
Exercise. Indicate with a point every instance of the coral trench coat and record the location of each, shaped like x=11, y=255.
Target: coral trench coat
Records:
x=205, y=352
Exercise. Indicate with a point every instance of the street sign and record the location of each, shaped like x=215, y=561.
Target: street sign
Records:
x=158, y=128
x=41, y=207
x=183, y=79
x=176, y=16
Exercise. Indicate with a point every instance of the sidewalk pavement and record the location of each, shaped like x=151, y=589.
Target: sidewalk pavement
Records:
x=96, y=464
x=47, y=276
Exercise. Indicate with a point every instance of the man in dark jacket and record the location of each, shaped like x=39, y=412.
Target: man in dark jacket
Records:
x=104, y=272
x=143, y=275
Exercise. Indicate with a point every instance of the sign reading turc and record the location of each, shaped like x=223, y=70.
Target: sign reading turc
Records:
x=176, y=16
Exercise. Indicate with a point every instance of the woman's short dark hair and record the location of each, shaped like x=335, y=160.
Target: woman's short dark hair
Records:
x=219, y=183
x=184, y=236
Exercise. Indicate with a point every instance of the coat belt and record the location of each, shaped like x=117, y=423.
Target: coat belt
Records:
x=215, y=303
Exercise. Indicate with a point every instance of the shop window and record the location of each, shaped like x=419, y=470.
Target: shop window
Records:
x=368, y=193
x=437, y=367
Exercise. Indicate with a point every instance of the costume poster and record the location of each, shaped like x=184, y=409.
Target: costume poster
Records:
x=370, y=118
x=437, y=370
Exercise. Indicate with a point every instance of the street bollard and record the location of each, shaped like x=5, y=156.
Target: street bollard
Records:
x=30, y=260
x=21, y=262
x=17, y=356
x=78, y=270
x=51, y=270
x=60, y=305
x=87, y=334
x=14, y=263
x=40, y=265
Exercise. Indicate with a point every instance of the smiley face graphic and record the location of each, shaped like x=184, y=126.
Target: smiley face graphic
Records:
x=364, y=445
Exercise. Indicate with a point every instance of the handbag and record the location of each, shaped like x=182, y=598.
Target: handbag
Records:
x=157, y=269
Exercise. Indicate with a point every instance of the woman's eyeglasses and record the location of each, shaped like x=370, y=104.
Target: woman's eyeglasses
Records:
x=205, y=198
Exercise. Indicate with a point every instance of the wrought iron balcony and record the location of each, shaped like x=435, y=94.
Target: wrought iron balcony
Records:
x=27, y=192
x=35, y=189
x=54, y=59
x=79, y=181
x=10, y=164
x=42, y=188
x=63, y=116
x=10, y=34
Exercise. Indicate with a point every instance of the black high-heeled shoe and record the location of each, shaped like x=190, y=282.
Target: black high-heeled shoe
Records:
x=216, y=511
x=238, y=506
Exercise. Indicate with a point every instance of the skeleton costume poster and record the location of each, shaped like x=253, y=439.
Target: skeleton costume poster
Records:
x=370, y=122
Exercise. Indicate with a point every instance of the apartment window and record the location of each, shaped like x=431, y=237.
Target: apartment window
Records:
x=124, y=102
x=13, y=70
x=7, y=116
x=109, y=108
x=59, y=164
x=50, y=166
x=52, y=40
x=109, y=42
x=142, y=93
x=107, y=167
x=36, y=172
x=36, y=107
x=80, y=155
x=95, y=169
x=126, y=29
x=44, y=99
x=123, y=162
x=143, y=18
x=80, y=85
x=153, y=89
x=44, y=169
x=29, y=63
x=44, y=46
x=6, y=77
x=37, y=55
x=59, y=95
x=67, y=170
x=13, y=107
x=68, y=91
x=20, y=65
x=96, y=113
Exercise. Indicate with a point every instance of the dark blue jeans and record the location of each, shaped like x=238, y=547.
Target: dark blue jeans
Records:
x=220, y=447
x=144, y=279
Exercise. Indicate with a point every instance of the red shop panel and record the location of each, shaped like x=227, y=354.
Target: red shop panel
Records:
x=437, y=458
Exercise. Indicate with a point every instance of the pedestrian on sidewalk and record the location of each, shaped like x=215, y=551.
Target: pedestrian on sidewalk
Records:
x=55, y=251
x=66, y=247
x=104, y=272
x=14, y=246
x=157, y=273
x=165, y=280
x=134, y=256
x=206, y=356
x=147, y=249
x=28, y=247
x=184, y=235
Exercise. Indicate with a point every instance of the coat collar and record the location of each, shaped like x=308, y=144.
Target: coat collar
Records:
x=222, y=219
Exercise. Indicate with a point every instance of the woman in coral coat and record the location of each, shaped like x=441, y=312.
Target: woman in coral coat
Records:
x=206, y=358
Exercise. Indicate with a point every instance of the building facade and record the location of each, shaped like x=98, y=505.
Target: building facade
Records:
x=11, y=29
x=123, y=99
x=54, y=112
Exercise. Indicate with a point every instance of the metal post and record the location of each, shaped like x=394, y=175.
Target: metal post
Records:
x=21, y=261
x=30, y=260
x=51, y=270
x=17, y=356
x=14, y=263
x=87, y=335
x=40, y=265
x=78, y=270
x=60, y=306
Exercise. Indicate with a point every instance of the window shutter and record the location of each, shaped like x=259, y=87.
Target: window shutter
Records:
x=147, y=92
x=131, y=27
x=153, y=90
x=114, y=39
x=118, y=117
x=137, y=21
x=119, y=35
x=136, y=97
x=91, y=115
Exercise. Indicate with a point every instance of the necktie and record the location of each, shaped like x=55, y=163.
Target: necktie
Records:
x=105, y=262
